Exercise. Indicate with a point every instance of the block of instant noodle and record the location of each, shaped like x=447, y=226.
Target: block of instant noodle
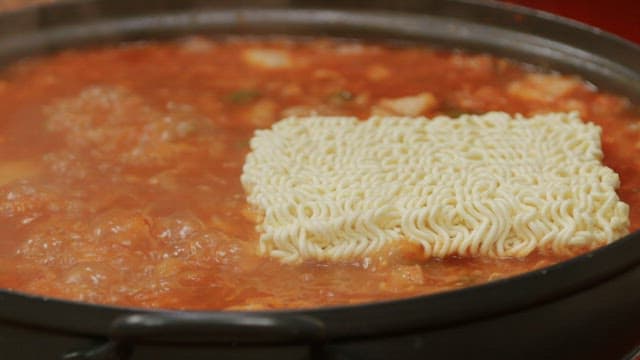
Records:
x=336, y=188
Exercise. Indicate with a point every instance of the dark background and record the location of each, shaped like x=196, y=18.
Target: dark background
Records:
x=621, y=17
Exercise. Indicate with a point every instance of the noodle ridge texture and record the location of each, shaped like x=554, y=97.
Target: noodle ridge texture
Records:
x=336, y=188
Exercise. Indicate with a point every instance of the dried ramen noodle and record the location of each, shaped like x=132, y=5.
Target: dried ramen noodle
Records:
x=336, y=188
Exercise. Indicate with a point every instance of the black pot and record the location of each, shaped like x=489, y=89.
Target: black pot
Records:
x=585, y=308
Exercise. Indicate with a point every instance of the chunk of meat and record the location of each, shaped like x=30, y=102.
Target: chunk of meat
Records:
x=475, y=67
x=377, y=72
x=402, y=277
x=406, y=106
x=263, y=113
x=408, y=274
x=575, y=105
x=312, y=110
x=543, y=87
x=325, y=74
x=268, y=302
x=196, y=44
x=475, y=100
x=607, y=105
x=267, y=58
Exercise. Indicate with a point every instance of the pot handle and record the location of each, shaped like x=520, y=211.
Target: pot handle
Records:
x=204, y=329
x=217, y=328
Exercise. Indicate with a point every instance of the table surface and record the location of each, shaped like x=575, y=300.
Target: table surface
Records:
x=621, y=17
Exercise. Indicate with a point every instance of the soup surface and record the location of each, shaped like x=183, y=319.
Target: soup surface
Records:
x=120, y=166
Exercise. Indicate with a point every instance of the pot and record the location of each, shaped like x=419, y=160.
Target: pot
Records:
x=584, y=308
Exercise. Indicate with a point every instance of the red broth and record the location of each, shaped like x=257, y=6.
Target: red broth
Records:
x=120, y=166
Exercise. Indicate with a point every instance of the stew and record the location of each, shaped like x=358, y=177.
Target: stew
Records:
x=120, y=166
